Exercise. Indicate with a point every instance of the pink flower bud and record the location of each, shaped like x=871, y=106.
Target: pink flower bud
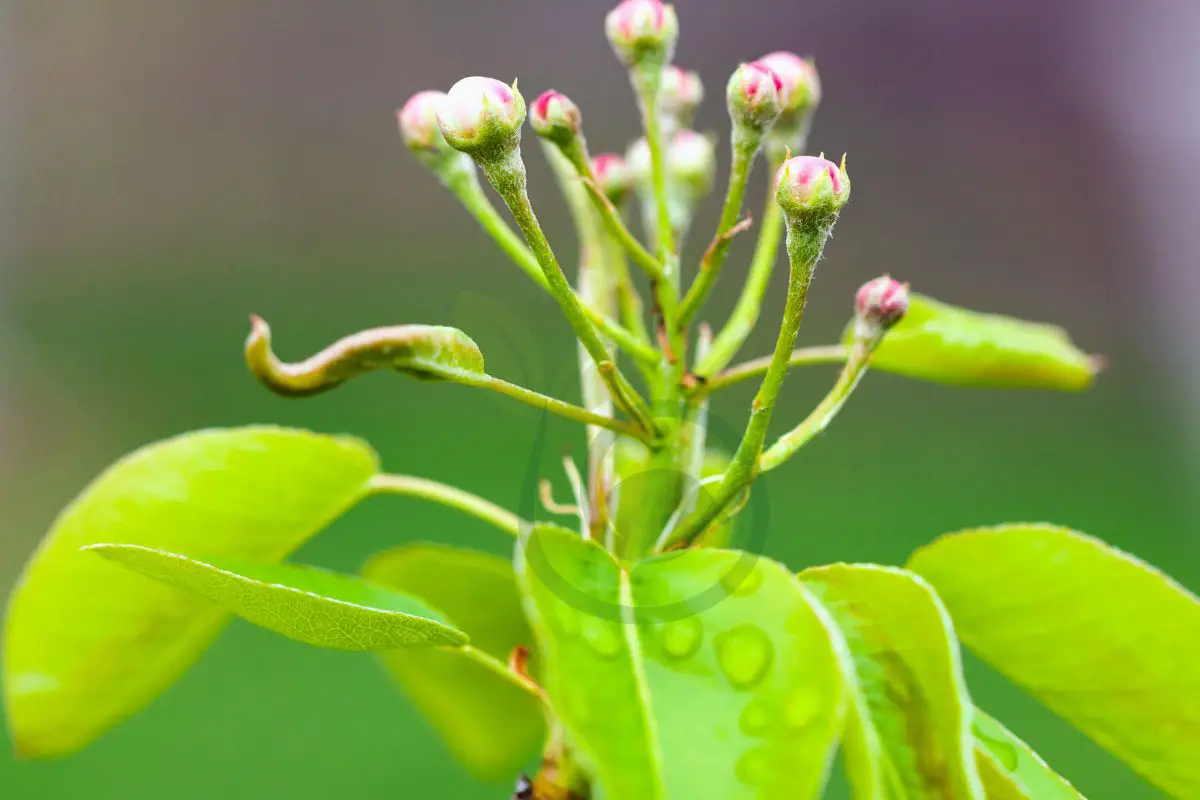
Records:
x=639, y=30
x=801, y=85
x=482, y=115
x=680, y=95
x=419, y=124
x=691, y=161
x=612, y=175
x=754, y=96
x=554, y=117
x=881, y=303
x=806, y=184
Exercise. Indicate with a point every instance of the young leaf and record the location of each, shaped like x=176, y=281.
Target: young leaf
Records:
x=1011, y=770
x=910, y=726
x=86, y=642
x=310, y=605
x=705, y=673
x=1105, y=640
x=429, y=352
x=491, y=720
x=939, y=342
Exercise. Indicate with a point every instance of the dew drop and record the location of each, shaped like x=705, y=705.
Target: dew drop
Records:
x=754, y=767
x=757, y=717
x=681, y=638
x=567, y=619
x=801, y=708
x=744, y=654
x=601, y=635
x=743, y=584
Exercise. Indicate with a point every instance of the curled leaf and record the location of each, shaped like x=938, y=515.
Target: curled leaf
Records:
x=86, y=642
x=427, y=352
x=310, y=605
x=939, y=342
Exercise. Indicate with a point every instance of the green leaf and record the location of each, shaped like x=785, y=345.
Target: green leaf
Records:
x=310, y=605
x=1105, y=640
x=428, y=352
x=1011, y=770
x=703, y=673
x=492, y=721
x=939, y=342
x=86, y=642
x=910, y=727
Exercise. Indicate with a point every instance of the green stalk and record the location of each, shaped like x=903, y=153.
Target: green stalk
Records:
x=508, y=178
x=463, y=182
x=451, y=496
x=745, y=314
x=800, y=357
x=556, y=406
x=805, y=241
x=820, y=417
x=744, y=147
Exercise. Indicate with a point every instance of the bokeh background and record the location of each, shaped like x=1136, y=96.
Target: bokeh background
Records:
x=166, y=168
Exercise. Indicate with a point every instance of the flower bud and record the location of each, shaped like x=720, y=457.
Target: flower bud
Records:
x=691, y=162
x=419, y=124
x=612, y=175
x=881, y=303
x=801, y=86
x=679, y=96
x=555, y=118
x=754, y=96
x=482, y=117
x=808, y=185
x=642, y=31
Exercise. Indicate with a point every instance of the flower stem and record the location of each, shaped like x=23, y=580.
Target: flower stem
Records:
x=801, y=357
x=820, y=417
x=463, y=182
x=744, y=147
x=451, y=496
x=805, y=244
x=508, y=177
x=559, y=407
x=745, y=314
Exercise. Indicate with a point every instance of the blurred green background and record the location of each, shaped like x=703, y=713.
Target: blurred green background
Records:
x=168, y=168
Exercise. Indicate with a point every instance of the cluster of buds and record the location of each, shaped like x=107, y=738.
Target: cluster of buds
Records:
x=770, y=101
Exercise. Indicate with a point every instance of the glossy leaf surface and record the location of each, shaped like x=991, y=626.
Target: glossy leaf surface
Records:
x=310, y=605
x=909, y=734
x=939, y=342
x=706, y=673
x=489, y=719
x=1105, y=640
x=1011, y=770
x=429, y=352
x=87, y=642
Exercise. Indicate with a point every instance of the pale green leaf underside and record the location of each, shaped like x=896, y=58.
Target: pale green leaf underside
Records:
x=724, y=682
x=87, y=642
x=313, y=606
x=1105, y=640
x=1011, y=770
x=490, y=720
x=909, y=733
x=936, y=341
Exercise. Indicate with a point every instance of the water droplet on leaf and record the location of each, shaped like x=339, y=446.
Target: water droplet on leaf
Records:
x=757, y=717
x=754, y=766
x=681, y=638
x=601, y=635
x=744, y=654
x=800, y=708
x=743, y=583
